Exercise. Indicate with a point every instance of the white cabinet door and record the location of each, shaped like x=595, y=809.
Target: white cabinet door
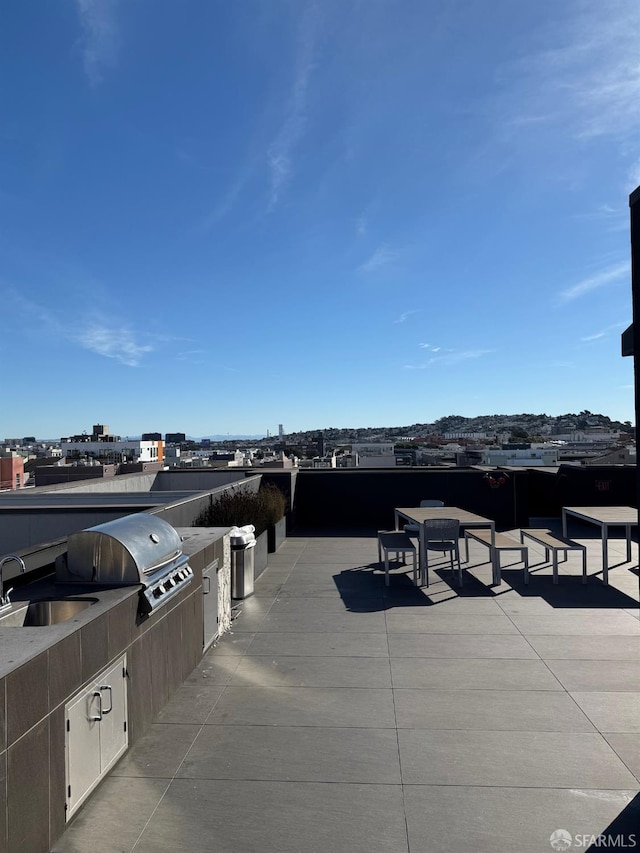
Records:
x=82, y=746
x=114, y=737
x=210, y=603
x=96, y=732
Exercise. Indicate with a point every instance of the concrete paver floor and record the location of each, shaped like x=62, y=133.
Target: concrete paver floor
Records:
x=340, y=715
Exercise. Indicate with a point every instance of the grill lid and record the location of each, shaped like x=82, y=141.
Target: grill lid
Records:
x=126, y=550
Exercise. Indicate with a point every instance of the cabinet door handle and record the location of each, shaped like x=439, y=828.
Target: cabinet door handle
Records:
x=208, y=580
x=110, y=708
x=97, y=694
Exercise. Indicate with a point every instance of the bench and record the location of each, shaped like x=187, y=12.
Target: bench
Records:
x=496, y=543
x=398, y=542
x=554, y=543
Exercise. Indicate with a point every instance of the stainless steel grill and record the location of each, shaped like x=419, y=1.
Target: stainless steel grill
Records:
x=137, y=549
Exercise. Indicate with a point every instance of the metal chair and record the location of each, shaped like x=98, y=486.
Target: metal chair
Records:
x=442, y=534
x=414, y=529
x=397, y=542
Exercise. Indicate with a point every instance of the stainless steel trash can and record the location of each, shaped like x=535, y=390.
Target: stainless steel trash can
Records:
x=242, y=569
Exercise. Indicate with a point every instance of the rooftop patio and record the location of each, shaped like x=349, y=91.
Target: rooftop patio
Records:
x=342, y=715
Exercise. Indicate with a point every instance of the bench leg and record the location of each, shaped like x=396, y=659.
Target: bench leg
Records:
x=525, y=554
x=495, y=564
x=584, y=565
x=555, y=566
x=386, y=568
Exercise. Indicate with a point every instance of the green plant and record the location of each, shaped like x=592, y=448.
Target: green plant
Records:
x=273, y=502
x=236, y=508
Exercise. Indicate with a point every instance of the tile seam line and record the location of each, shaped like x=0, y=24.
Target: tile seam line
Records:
x=399, y=759
x=604, y=735
x=155, y=809
x=631, y=790
x=174, y=775
x=346, y=728
x=200, y=730
x=440, y=688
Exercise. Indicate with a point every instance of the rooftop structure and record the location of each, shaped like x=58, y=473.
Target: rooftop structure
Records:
x=333, y=693
x=341, y=715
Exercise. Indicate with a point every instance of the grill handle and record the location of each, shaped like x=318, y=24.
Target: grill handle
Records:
x=149, y=570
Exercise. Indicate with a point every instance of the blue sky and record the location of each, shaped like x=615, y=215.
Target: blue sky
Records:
x=216, y=216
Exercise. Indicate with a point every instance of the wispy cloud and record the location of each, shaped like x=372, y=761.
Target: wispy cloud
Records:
x=405, y=315
x=602, y=279
x=590, y=78
x=382, y=256
x=227, y=202
x=450, y=358
x=38, y=318
x=99, y=333
x=193, y=356
x=100, y=38
x=114, y=342
x=615, y=218
x=281, y=151
x=614, y=327
x=561, y=364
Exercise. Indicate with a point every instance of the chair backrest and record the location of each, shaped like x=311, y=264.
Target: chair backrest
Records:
x=431, y=503
x=441, y=529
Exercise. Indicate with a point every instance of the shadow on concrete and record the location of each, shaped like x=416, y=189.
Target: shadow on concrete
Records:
x=569, y=592
x=362, y=588
x=622, y=833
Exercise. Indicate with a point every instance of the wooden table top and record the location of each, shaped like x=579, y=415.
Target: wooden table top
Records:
x=605, y=514
x=423, y=513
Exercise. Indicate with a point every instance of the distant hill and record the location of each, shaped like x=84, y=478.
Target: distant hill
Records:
x=228, y=437
x=531, y=424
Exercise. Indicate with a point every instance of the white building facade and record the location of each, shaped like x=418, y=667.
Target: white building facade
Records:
x=114, y=451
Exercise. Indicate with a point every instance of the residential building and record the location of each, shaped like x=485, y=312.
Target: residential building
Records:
x=114, y=451
x=12, y=475
x=374, y=455
x=525, y=457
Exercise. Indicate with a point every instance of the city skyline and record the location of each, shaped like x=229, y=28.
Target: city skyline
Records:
x=239, y=215
x=586, y=418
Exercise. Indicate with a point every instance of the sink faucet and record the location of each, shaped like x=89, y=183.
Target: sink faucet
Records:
x=4, y=596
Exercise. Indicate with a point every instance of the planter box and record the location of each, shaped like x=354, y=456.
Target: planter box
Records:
x=277, y=533
x=261, y=555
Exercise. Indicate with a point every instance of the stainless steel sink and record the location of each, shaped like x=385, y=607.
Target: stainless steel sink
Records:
x=51, y=611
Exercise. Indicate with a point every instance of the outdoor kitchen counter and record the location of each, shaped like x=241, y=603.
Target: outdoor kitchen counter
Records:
x=18, y=645
x=44, y=669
